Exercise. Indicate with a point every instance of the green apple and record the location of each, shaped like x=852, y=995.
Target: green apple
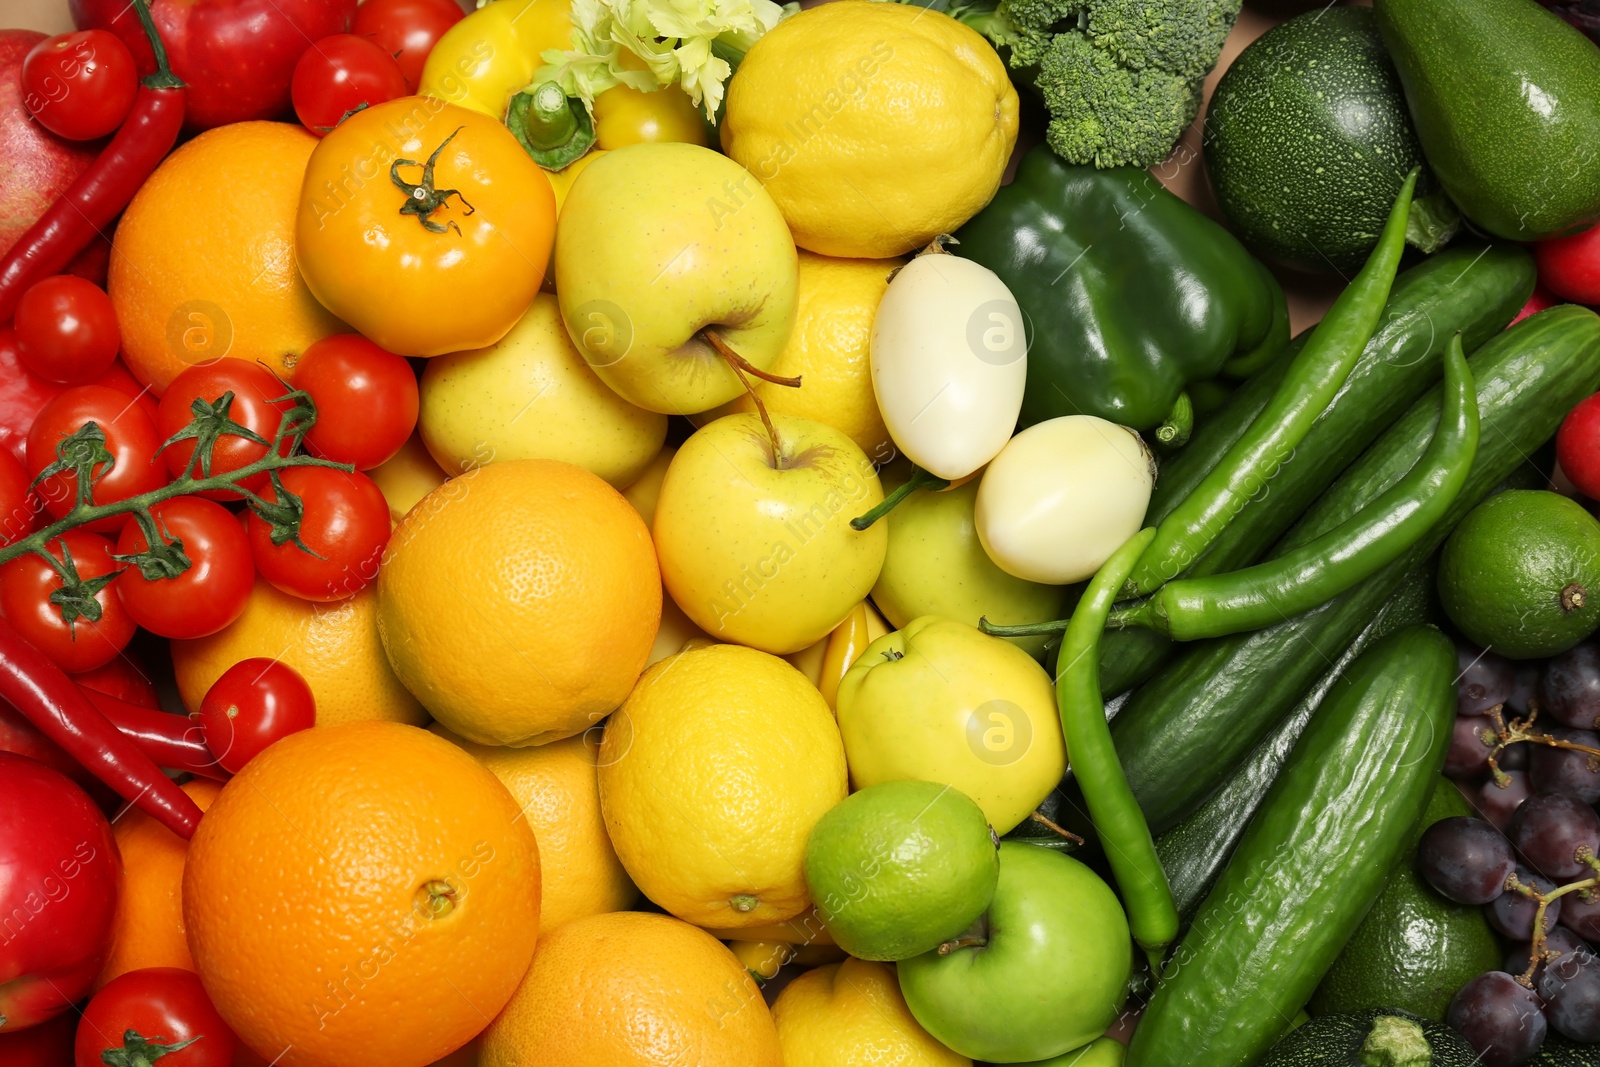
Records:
x=937, y=566
x=658, y=242
x=1101, y=1052
x=755, y=544
x=1045, y=970
x=941, y=701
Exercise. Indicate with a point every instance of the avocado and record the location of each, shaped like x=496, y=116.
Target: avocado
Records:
x=1505, y=97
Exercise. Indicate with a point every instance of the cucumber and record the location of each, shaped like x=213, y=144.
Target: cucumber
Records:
x=1181, y=734
x=1475, y=290
x=1194, y=852
x=1312, y=862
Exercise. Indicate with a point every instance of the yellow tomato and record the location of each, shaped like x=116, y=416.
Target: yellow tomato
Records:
x=623, y=115
x=425, y=226
x=491, y=55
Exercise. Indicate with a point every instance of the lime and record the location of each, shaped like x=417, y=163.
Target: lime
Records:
x=900, y=867
x=1521, y=574
x=1415, y=948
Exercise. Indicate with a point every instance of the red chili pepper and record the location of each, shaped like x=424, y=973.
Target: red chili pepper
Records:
x=104, y=189
x=48, y=698
x=171, y=741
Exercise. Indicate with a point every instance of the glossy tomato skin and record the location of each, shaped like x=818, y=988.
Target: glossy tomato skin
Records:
x=346, y=523
x=68, y=330
x=60, y=875
x=407, y=30
x=207, y=596
x=339, y=75
x=235, y=56
x=1570, y=266
x=25, y=587
x=1578, y=446
x=79, y=85
x=163, y=1005
x=130, y=438
x=255, y=703
x=366, y=400
x=23, y=393
x=19, y=508
x=254, y=390
x=411, y=290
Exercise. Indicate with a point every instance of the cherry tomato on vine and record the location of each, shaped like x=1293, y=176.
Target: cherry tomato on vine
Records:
x=254, y=390
x=345, y=522
x=79, y=85
x=26, y=584
x=67, y=330
x=407, y=30
x=130, y=438
x=255, y=703
x=207, y=596
x=341, y=74
x=366, y=400
x=163, y=1006
x=19, y=508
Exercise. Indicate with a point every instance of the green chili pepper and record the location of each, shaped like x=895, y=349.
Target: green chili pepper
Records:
x=1193, y=608
x=1124, y=834
x=1313, y=379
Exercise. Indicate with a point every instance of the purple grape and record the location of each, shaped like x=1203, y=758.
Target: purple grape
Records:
x=1564, y=770
x=1514, y=757
x=1581, y=915
x=1469, y=755
x=1499, y=803
x=1512, y=913
x=1570, y=988
x=1569, y=688
x=1559, y=940
x=1549, y=830
x=1484, y=680
x=1499, y=1018
x=1466, y=859
x=1524, y=689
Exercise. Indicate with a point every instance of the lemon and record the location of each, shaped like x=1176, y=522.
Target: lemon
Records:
x=712, y=775
x=851, y=1014
x=827, y=351
x=876, y=127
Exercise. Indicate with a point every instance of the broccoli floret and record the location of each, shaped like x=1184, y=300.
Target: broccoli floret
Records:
x=1107, y=114
x=1182, y=37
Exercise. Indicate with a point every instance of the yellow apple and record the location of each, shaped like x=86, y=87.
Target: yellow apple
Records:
x=758, y=550
x=658, y=242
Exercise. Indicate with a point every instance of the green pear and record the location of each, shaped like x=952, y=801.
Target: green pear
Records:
x=659, y=244
x=936, y=566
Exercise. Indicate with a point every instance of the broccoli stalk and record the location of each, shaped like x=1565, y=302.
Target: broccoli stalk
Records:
x=1120, y=78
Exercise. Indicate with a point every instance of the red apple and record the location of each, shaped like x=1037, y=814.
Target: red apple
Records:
x=236, y=56
x=35, y=164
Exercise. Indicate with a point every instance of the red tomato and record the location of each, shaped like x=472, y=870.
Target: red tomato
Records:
x=406, y=29
x=67, y=329
x=1570, y=266
x=130, y=438
x=366, y=400
x=346, y=522
x=47, y=1045
x=254, y=389
x=341, y=74
x=25, y=587
x=1541, y=300
x=23, y=393
x=1578, y=446
x=19, y=508
x=207, y=596
x=255, y=703
x=62, y=875
x=163, y=1006
x=79, y=85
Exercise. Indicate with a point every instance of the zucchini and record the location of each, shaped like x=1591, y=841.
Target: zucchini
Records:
x=1314, y=859
x=1194, y=852
x=1557, y=1051
x=1474, y=290
x=1338, y=1041
x=1180, y=735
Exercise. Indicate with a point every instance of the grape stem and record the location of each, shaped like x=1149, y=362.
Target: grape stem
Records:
x=1518, y=731
x=1538, y=953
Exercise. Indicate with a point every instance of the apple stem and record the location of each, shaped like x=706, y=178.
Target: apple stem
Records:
x=920, y=479
x=734, y=360
x=1059, y=831
x=969, y=941
x=739, y=363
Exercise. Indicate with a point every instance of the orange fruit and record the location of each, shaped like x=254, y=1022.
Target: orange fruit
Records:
x=149, y=930
x=203, y=262
x=334, y=646
x=633, y=990
x=361, y=894
x=556, y=787
x=519, y=601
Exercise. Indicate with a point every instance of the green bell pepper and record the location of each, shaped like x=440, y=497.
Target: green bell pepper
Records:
x=1129, y=293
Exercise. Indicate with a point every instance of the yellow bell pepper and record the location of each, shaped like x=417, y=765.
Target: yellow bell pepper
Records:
x=624, y=115
x=491, y=55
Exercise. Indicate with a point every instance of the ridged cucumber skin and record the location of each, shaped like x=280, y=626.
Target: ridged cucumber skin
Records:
x=1308, y=141
x=1184, y=732
x=1312, y=862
